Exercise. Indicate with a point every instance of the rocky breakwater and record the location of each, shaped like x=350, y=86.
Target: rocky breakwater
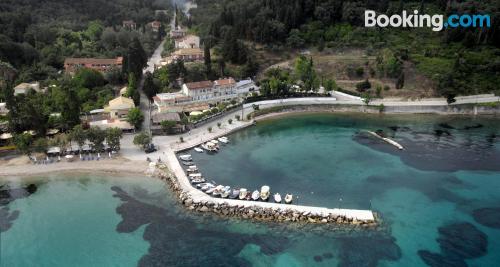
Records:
x=260, y=211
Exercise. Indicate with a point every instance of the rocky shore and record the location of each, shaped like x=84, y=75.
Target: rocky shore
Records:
x=236, y=209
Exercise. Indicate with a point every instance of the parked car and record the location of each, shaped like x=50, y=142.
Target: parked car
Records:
x=150, y=148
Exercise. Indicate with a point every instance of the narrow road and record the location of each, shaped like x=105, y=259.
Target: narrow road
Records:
x=145, y=104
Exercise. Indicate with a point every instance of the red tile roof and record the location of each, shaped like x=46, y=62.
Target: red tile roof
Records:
x=103, y=61
x=199, y=85
x=223, y=82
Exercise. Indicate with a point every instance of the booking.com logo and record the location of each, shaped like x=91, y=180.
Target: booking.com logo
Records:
x=415, y=20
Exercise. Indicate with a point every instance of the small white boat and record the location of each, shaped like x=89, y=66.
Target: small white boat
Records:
x=218, y=190
x=195, y=175
x=210, y=190
x=186, y=157
x=207, y=186
x=234, y=194
x=226, y=192
x=223, y=140
x=214, y=141
x=192, y=168
x=197, y=180
x=209, y=146
x=199, y=150
x=243, y=193
x=277, y=198
x=255, y=195
x=264, y=192
x=288, y=198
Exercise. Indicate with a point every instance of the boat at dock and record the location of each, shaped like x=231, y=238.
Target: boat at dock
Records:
x=226, y=192
x=256, y=195
x=215, y=141
x=207, y=186
x=277, y=198
x=218, y=190
x=210, y=190
x=186, y=157
x=199, y=150
x=192, y=168
x=198, y=180
x=223, y=139
x=210, y=147
x=264, y=192
x=235, y=194
x=243, y=193
x=248, y=196
x=187, y=163
x=288, y=198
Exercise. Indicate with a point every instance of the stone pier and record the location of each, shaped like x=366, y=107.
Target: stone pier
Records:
x=197, y=200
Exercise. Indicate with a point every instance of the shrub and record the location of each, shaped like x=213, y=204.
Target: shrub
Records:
x=181, y=139
x=219, y=124
x=238, y=117
x=209, y=129
x=230, y=121
x=360, y=71
x=363, y=86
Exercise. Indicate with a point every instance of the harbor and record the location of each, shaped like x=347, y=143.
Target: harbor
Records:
x=195, y=199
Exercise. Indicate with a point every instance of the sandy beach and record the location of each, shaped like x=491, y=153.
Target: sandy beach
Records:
x=20, y=166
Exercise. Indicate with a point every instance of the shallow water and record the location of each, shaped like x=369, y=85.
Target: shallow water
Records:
x=439, y=200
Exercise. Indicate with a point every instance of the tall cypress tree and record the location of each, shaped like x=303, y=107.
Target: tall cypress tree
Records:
x=136, y=58
x=208, y=59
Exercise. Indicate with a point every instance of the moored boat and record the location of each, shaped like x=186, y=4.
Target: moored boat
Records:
x=243, y=193
x=199, y=150
x=256, y=195
x=218, y=191
x=207, y=186
x=248, y=196
x=197, y=180
x=277, y=198
x=264, y=192
x=288, y=198
x=195, y=175
x=210, y=190
x=186, y=157
x=187, y=163
x=223, y=140
x=192, y=168
x=226, y=192
x=235, y=194
x=209, y=146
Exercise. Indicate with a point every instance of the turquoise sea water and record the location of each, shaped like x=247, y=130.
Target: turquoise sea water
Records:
x=439, y=200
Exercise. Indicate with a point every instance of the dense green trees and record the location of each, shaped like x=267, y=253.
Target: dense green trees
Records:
x=336, y=24
x=150, y=87
x=168, y=126
x=113, y=136
x=136, y=58
x=135, y=117
x=142, y=139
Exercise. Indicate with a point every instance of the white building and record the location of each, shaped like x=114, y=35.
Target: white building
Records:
x=244, y=87
x=188, y=41
x=3, y=109
x=198, y=91
x=204, y=92
x=165, y=100
x=23, y=88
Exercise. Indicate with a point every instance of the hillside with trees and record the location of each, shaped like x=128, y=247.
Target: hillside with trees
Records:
x=458, y=61
x=36, y=36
